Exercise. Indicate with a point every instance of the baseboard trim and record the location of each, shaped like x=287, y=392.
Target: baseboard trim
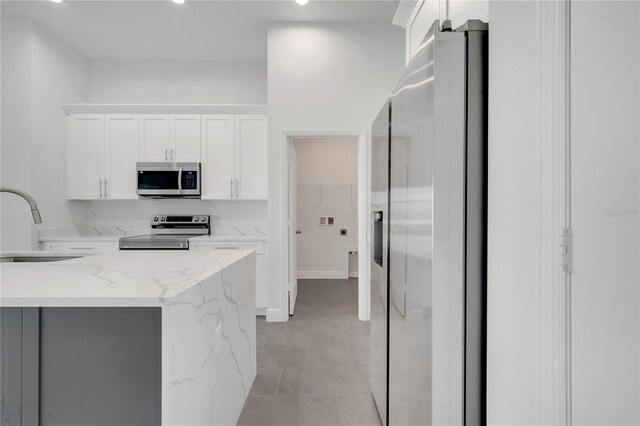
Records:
x=261, y=312
x=318, y=275
x=275, y=315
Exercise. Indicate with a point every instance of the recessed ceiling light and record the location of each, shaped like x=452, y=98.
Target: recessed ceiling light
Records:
x=56, y=1
x=302, y=2
x=178, y=1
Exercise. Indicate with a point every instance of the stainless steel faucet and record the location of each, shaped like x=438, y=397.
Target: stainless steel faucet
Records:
x=35, y=213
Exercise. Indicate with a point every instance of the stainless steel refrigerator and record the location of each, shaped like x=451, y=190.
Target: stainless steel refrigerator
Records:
x=429, y=202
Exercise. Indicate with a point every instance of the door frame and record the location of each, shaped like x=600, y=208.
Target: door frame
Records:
x=555, y=212
x=363, y=205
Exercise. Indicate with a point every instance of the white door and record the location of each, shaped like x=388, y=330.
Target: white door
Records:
x=155, y=137
x=293, y=228
x=185, y=138
x=251, y=157
x=218, y=157
x=85, y=156
x=605, y=198
x=121, y=154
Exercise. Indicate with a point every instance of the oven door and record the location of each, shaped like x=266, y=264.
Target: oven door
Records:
x=165, y=180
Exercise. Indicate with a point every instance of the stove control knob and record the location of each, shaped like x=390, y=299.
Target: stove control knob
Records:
x=155, y=219
x=197, y=219
x=204, y=218
x=163, y=219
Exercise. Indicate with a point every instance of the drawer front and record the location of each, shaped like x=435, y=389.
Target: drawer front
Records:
x=97, y=247
x=258, y=247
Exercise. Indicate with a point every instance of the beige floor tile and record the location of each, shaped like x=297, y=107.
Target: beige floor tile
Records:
x=303, y=340
x=290, y=410
x=358, y=410
x=266, y=382
x=291, y=357
x=323, y=381
x=338, y=357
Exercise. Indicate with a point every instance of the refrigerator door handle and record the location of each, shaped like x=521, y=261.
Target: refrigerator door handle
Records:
x=377, y=237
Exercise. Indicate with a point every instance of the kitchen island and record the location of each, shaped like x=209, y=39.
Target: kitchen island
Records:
x=142, y=337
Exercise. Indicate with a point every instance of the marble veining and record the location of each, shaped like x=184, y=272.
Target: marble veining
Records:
x=205, y=381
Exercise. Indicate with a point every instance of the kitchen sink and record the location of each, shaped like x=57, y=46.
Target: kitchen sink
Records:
x=32, y=258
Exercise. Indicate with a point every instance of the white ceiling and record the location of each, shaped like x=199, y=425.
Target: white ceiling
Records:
x=196, y=30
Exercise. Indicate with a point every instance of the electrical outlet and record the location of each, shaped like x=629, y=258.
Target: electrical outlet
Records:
x=343, y=232
x=323, y=220
x=252, y=214
x=218, y=339
x=121, y=215
x=330, y=220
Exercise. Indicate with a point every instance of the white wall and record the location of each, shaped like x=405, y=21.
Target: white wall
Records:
x=45, y=74
x=15, y=145
x=513, y=215
x=179, y=82
x=320, y=77
x=327, y=174
x=605, y=198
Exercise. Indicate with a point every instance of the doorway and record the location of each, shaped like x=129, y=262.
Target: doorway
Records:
x=326, y=217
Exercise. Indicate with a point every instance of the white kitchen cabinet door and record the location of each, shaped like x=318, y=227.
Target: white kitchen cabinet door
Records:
x=85, y=156
x=218, y=157
x=251, y=157
x=155, y=137
x=121, y=154
x=184, y=142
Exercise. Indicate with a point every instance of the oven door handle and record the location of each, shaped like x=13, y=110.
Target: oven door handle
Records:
x=180, y=179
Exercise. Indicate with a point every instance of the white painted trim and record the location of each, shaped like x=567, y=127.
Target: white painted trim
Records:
x=323, y=275
x=404, y=11
x=276, y=315
x=554, y=344
x=164, y=108
x=363, y=215
x=261, y=312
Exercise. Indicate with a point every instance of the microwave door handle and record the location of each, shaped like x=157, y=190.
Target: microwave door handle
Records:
x=180, y=179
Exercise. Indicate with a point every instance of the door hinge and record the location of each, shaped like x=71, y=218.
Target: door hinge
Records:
x=566, y=242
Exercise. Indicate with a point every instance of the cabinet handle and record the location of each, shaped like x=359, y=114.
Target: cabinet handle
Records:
x=105, y=187
x=166, y=154
x=231, y=182
x=237, y=190
x=100, y=187
x=81, y=248
x=172, y=157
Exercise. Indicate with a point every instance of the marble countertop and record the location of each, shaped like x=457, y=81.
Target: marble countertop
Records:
x=121, y=278
x=108, y=234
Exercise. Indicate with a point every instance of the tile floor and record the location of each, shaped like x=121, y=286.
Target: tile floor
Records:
x=314, y=369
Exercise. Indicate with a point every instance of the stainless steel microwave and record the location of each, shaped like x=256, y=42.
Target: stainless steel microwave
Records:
x=169, y=180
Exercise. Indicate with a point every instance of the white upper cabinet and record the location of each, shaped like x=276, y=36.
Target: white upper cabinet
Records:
x=154, y=137
x=185, y=129
x=234, y=150
x=251, y=157
x=85, y=156
x=121, y=154
x=218, y=156
x=169, y=137
x=102, y=152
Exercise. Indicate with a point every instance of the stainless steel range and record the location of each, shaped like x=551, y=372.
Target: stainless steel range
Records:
x=169, y=233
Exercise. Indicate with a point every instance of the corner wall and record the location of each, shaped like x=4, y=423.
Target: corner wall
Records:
x=38, y=74
x=177, y=82
x=328, y=77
